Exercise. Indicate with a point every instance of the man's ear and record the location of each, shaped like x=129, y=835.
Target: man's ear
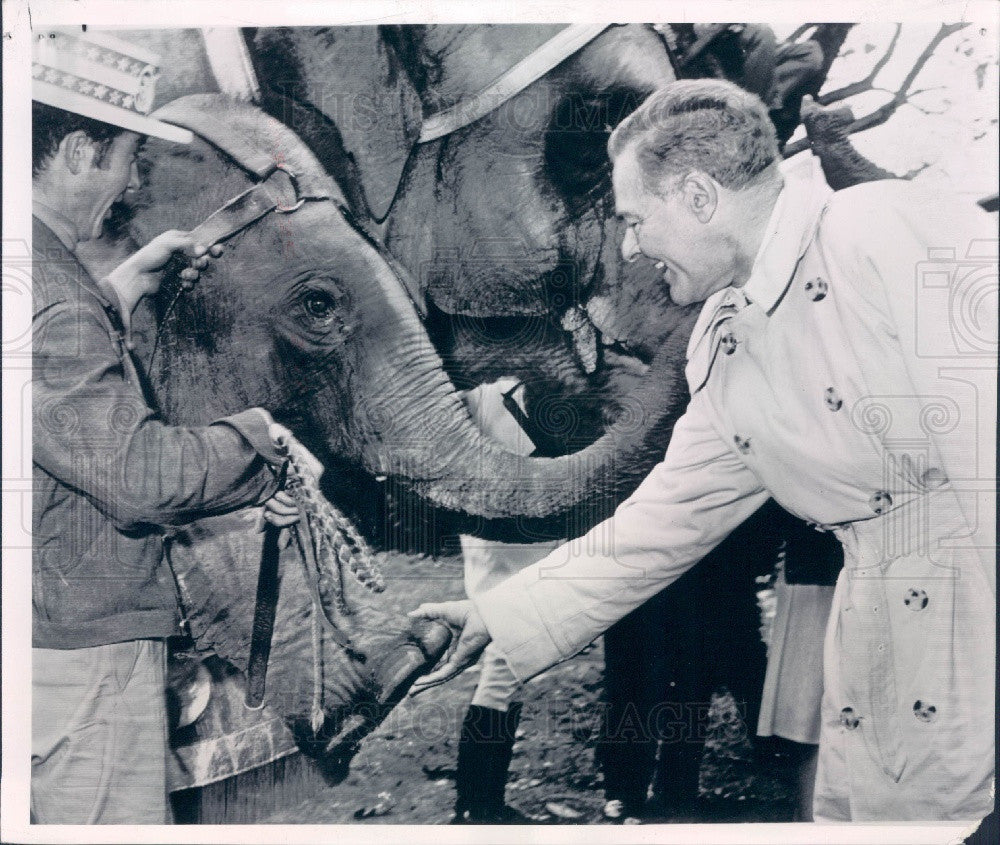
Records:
x=701, y=196
x=77, y=151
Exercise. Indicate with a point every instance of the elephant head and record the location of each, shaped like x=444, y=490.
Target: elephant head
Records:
x=309, y=316
x=509, y=216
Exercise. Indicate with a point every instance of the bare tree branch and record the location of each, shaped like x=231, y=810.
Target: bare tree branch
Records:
x=830, y=37
x=915, y=171
x=802, y=30
x=925, y=90
x=862, y=85
x=901, y=96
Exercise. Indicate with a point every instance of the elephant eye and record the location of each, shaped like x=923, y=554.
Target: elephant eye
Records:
x=319, y=306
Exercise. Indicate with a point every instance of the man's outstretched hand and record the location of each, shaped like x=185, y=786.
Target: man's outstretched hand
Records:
x=471, y=638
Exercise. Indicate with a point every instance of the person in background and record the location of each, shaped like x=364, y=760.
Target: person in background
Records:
x=489, y=727
x=750, y=55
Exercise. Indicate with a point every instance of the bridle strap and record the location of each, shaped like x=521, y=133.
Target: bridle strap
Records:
x=531, y=68
x=278, y=193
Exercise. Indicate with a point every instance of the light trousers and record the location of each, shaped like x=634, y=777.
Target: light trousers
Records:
x=99, y=735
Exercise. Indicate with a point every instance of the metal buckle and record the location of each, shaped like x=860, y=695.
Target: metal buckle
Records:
x=288, y=209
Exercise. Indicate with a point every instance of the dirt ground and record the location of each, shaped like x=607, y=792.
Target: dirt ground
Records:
x=404, y=772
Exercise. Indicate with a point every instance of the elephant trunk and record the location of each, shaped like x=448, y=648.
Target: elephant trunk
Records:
x=421, y=435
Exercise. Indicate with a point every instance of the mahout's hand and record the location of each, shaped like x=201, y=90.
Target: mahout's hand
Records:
x=141, y=273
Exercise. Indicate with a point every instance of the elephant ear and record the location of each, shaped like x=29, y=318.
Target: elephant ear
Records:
x=344, y=91
x=186, y=68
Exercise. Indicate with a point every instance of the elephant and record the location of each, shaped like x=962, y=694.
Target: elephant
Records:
x=307, y=315
x=506, y=229
x=507, y=224
x=342, y=358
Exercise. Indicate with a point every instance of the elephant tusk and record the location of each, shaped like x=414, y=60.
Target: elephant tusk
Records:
x=577, y=322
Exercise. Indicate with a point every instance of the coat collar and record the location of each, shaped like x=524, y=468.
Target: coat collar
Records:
x=103, y=292
x=789, y=231
x=58, y=224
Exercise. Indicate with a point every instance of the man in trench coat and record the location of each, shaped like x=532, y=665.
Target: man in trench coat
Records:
x=845, y=364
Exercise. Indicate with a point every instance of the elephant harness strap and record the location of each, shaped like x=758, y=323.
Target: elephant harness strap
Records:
x=279, y=189
x=278, y=193
x=531, y=68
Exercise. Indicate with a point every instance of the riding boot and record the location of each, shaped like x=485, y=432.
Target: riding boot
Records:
x=485, y=748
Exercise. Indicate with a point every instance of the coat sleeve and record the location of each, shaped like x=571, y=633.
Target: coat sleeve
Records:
x=685, y=507
x=93, y=432
x=929, y=266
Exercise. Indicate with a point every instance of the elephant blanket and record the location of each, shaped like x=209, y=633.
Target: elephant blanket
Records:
x=320, y=696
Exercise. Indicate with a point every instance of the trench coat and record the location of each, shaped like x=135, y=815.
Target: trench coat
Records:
x=853, y=379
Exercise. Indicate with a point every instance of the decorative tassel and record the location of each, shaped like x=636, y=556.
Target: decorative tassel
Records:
x=316, y=716
x=335, y=539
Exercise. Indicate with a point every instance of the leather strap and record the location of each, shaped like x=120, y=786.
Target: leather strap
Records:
x=263, y=618
x=531, y=68
x=277, y=193
x=264, y=611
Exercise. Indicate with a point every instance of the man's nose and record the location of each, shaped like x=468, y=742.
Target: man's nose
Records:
x=630, y=245
x=133, y=178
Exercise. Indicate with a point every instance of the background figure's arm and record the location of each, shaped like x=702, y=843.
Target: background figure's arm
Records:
x=690, y=501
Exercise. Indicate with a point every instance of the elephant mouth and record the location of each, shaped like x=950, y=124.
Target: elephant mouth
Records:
x=600, y=326
x=591, y=344
x=625, y=350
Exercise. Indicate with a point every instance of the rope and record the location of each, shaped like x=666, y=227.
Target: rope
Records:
x=163, y=323
x=335, y=540
x=331, y=542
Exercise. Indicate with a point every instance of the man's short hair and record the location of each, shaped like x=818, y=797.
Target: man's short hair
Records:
x=698, y=124
x=50, y=125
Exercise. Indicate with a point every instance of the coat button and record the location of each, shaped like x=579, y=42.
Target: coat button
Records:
x=923, y=711
x=915, y=599
x=742, y=443
x=849, y=719
x=832, y=399
x=880, y=501
x=816, y=288
x=933, y=478
x=728, y=343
